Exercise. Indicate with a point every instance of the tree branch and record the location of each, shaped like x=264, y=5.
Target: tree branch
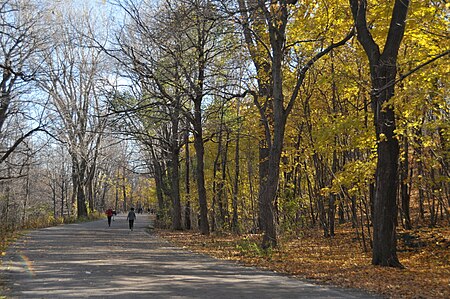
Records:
x=17, y=143
x=310, y=63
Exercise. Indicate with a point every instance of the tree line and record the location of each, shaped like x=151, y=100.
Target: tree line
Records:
x=242, y=116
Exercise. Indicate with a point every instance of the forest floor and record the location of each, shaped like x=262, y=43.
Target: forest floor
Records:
x=339, y=261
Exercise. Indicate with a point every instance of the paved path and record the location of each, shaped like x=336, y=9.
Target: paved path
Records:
x=96, y=261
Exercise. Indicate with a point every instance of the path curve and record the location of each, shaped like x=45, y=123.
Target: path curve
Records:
x=92, y=260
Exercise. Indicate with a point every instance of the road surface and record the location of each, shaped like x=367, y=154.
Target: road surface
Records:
x=92, y=260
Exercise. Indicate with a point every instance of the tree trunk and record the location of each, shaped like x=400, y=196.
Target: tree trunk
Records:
x=62, y=195
x=216, y=168
x=252, y=201
x=159, y=183
x=277, y=39
x=200, y=152
x=222, y=195
x=270, y=187
x=187, y=210
x=263, y=173
x=79, y=172
x=404, y=186
x=235, y=221
x=27, y=198
x=175, y=176
x=383, y=70
x=124, y=191
x=385, y=201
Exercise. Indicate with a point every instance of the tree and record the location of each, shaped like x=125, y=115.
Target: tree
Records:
x=20, y=115
x=20, y=43
x=383, y=71
x=272, y=69
x=72, y=74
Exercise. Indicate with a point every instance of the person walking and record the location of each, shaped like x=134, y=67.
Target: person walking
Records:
x=109, y=214
x=131, y=217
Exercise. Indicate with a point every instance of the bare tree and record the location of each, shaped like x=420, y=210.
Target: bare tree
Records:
x=20, y=42
x=71, y=77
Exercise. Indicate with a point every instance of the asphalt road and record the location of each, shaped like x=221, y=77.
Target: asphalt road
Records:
x=92, y=260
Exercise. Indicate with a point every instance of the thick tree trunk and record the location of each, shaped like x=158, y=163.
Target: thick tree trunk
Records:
x=79, y=179
x=385, y=201
x=159, y=190
x=90, y=193
x=277, y=36
x=383, y=70
x=270, y=188
x=175, y=193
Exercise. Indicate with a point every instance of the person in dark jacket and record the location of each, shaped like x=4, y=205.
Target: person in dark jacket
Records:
x=131, y=217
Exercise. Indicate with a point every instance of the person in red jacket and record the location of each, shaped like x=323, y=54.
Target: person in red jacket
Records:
x=109, y=214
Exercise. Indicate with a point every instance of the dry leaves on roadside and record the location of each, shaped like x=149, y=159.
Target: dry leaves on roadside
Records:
x=340, y=260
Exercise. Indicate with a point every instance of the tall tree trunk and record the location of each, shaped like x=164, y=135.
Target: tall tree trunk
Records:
x=200, y=152
x=80, y=171
x=124, y=191
x=62, y=195
x=27, y=197
x=277, y=36
x=116, y=202
x=175, y=175
x=263, y=173
x=159, y=183
x=222, y=196
x=187, y=210
x=273, y=17
x=383, y=70
x=216, y=168
x=252, y=200
x=235, y=220
x=385, y=201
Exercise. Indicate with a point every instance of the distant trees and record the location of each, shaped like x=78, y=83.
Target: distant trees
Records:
x=177, y=69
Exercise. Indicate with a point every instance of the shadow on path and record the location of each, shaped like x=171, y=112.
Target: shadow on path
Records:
x=92, y=260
